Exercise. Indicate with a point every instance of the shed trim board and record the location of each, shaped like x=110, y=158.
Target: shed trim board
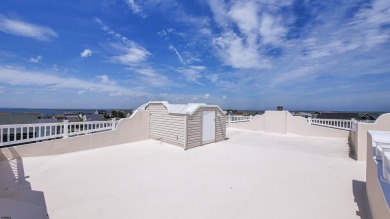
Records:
x=186, y=133
x=184, y=124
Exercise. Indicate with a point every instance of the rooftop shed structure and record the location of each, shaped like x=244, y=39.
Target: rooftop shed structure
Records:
x=186, y=125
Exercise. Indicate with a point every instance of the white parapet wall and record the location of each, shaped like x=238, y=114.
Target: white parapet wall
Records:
x=358, y=137
x=284, y=122
x=379, y=207
x=135, y=128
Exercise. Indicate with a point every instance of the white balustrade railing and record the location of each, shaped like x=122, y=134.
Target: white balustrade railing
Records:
x=331, y=123
x=233, y=118
x=24, y=133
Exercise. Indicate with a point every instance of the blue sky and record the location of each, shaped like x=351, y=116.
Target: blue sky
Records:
x=243, y=54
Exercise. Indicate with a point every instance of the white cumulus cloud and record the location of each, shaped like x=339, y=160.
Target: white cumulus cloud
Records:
x=86, y=53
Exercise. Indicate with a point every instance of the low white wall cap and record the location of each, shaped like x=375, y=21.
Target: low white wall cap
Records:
x=189, y=108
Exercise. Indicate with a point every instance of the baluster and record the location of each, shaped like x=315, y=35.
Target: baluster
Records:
x=8, y=135
x=21, y=133
x=14, y=131
x=113, y=124
x=39, y=131
x=66, y=129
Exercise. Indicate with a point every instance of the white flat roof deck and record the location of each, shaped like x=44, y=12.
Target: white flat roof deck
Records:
x=251, y=175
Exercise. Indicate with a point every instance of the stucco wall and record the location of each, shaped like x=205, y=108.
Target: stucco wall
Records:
x=285, y=122
x=359, y=139
x=131, y=129
x=275, y=121
x=376, y=200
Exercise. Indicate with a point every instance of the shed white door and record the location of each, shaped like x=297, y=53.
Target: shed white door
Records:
x=208, y=134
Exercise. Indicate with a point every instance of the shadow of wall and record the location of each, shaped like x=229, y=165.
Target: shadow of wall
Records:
x=17, y=199
x=360, y=194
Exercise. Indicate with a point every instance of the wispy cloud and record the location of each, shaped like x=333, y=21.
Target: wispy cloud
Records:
x=237, y=52
x=130, y=55
x=192, y=73
x=25, y=29
x=36, y=59
x=136, y=8
x=272, y=29
x=184, y=57
x=149, y=76
x=86, y=53
x=255, y=30
x=364, y=30
x=134, y=56
x=181, y=60
x=128, y=52
x=21, y=77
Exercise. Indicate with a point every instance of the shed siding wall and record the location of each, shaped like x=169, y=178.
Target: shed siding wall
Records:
x=194, y=126
x=166, y=127
x=194, y=129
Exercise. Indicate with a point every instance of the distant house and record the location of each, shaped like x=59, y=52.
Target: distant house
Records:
x=59, y=117
x=369, y=117
x=10, y=119
x=73, y=117
x=337, y=115
x=36, y=114
x=48, y=120
x=103, y=112
x=93, y=117
x=303, y=114
x=127, y=113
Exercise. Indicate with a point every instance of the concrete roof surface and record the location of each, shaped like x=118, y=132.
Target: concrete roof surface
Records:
x=251, y=175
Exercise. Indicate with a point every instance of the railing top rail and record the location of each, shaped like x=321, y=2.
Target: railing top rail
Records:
x=343, y=120
x=53, y=124
x=29, y=125
x=89, y=122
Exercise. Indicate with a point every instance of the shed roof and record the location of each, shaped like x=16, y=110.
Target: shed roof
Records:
x=188, y=108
